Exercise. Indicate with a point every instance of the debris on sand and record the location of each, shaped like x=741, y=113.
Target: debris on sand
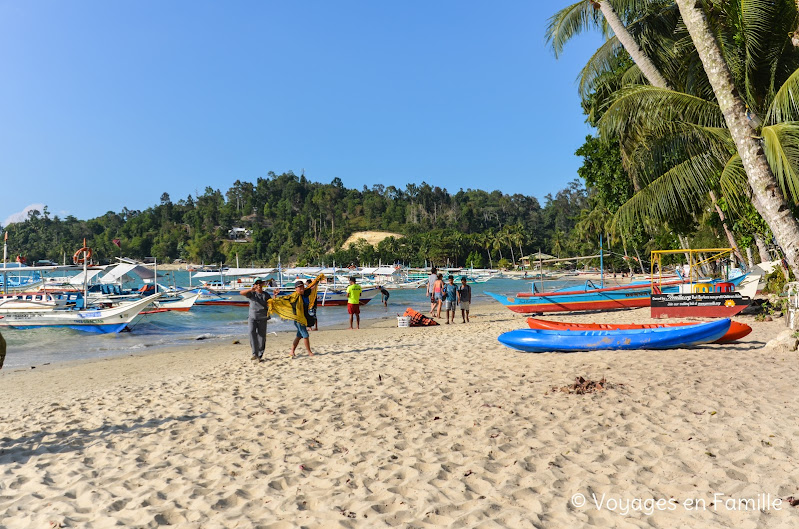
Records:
x=583, y=386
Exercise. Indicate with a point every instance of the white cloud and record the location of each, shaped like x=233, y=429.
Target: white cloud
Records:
x=22, y=215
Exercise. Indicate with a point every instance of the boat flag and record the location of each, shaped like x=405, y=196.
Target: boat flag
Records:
x=117, y=242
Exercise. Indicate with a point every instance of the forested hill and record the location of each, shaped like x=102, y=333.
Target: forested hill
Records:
x=306, y=222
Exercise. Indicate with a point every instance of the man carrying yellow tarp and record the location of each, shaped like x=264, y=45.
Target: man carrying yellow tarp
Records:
x=295, y=307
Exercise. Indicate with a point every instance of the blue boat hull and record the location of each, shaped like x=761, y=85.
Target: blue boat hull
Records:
x=539, y=341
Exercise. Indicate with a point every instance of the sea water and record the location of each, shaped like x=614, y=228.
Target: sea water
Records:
x=149, y=332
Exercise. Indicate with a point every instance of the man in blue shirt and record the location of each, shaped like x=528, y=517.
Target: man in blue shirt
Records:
x=450, y=298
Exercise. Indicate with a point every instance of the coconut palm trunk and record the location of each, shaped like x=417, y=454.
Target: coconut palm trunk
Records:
x=762, y=249
x=730, y=237
x=768, y=197
x=641, y=59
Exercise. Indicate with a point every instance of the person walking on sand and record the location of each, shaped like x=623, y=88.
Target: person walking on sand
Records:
x=257, y=318
x=431, y=280
x=464, y=299
x=438, y=293
x=294, y=307
x=354, y=302
x=384, y=295
x=450, y=294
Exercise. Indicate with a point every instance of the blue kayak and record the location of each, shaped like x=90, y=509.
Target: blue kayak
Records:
x=538, y=341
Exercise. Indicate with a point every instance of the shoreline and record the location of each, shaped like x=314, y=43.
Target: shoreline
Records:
x=426, y=427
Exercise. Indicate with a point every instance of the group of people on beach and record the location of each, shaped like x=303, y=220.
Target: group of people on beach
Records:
x=448, y=295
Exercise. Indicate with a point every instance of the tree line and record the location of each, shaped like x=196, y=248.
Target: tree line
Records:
x=304, y=222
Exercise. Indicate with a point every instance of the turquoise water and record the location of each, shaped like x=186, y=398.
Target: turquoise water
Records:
x=35, y=347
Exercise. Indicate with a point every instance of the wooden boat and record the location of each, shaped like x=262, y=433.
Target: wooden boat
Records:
x=590, y=297
x=736, y=332
x=586, y=297
x=538, y=341
x=101, y=321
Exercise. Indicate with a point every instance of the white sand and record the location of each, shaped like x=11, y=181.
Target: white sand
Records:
x=387, y=427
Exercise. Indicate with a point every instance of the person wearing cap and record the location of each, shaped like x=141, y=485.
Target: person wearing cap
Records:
x=257, y=318
x=294, y=307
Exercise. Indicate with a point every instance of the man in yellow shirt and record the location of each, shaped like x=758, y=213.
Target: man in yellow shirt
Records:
x=354, y=302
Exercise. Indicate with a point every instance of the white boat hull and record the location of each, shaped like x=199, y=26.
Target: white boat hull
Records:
x=101, y=321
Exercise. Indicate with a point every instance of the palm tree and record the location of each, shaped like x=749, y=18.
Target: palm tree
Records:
x=722, y=143
x=577, y=17
x=582, y=15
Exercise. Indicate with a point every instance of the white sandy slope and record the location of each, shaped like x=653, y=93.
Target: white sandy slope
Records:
x=387, y=427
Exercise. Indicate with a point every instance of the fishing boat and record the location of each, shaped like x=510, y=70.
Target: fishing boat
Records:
x=736, y=332
x=100, y=321
x=539, y=341
x=178, y=302
x=582, y=297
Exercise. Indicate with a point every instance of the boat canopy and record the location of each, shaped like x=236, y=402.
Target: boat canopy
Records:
x=78, y=279
x=379, y=271
x=129, y=269
x=235, y=272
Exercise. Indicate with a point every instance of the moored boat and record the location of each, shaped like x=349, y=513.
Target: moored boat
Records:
x=101, y=321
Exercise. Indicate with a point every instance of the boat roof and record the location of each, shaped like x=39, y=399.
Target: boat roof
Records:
x=129, y=269
x=379, y=271
x=235, y=272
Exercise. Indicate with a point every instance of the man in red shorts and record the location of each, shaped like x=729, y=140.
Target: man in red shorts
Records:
x=354, y=302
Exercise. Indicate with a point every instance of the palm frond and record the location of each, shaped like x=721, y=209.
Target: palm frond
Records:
x=785, y=106
x=640, y=108
x=734, y=184
x=671, y=142
x=633, y=76
x=684, y=188
x=604, y=60
x=781, y=147
x=570, y=21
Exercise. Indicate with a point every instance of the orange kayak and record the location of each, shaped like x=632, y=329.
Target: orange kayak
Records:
x=736, y=332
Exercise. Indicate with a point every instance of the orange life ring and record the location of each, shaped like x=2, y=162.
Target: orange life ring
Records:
x=77, y=259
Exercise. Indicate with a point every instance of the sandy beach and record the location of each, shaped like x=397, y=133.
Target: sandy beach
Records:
x=406, y=427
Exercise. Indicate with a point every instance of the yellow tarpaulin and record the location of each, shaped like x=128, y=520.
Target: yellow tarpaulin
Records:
x=292, y=307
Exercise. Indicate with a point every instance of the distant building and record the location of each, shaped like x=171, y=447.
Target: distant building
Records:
x=239, y=233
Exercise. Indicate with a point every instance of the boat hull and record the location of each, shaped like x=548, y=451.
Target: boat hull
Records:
x=736, y=332
x=539, y=341
x=99, y=321
x=576, y=302
x=705, y=305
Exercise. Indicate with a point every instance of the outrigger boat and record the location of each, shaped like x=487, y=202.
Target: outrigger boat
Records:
x=639, y=294
x=100, y=321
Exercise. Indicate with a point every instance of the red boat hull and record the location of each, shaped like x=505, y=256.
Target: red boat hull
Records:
x=736, y=332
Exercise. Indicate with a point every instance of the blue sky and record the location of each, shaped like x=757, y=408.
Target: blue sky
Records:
x=105, y=105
